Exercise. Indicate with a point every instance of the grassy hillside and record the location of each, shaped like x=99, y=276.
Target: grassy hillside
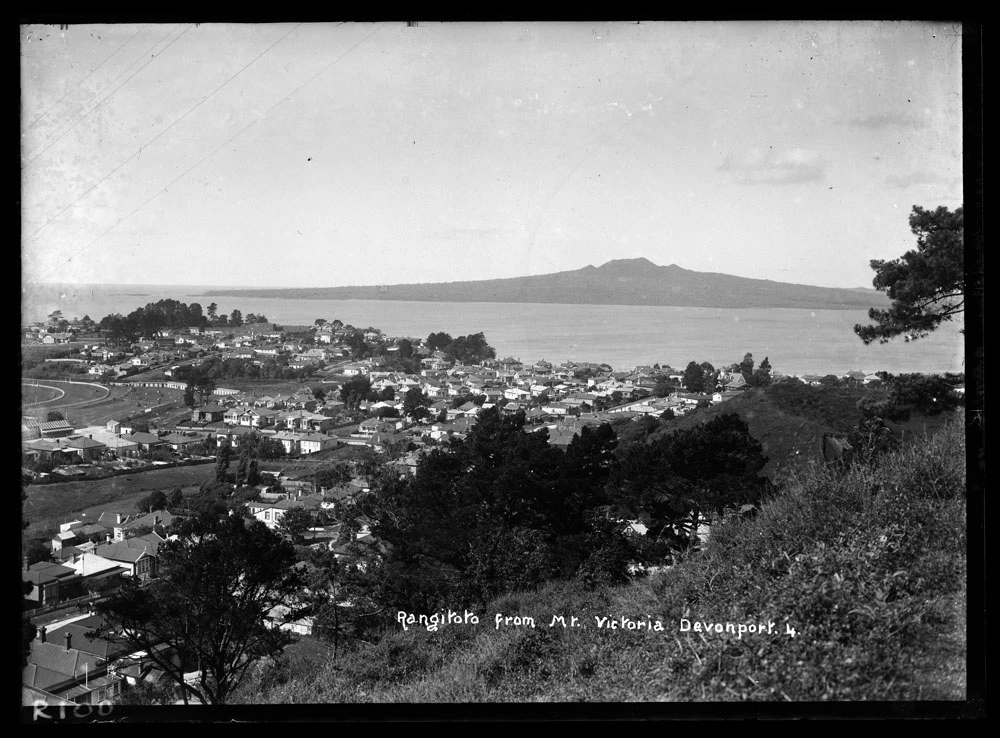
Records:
x=867, y=567
x=790, y=419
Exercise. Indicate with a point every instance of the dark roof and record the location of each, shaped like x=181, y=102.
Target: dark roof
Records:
x=84, y=443
x=131, y=549
x=44, y=572
x=51, y=663
x=146, y=438
x=166, y=518
x=210, y=409
x=78, y=630
x=54, y=425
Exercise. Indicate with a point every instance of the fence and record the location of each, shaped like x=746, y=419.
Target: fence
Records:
x=120, y=472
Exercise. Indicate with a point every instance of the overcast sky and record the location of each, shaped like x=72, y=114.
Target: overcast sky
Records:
x=325, y=155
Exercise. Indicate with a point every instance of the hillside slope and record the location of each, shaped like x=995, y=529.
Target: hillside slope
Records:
x=790, y=420
x=866, y=567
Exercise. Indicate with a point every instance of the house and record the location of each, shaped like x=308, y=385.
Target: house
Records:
x=86, y=448
x=315, y=442
x=208, y=414
x=738, y=382
x=98, y=575
x=556, y=408
x=51, y=583
x=57, y=668
x=284, y=617
x=234, y=434
x=289, y=441
x=145, y=441
x=81, y=662
x=150, y=520
x=370, y=426
x=138, y=555
x=180, y=442
x=48, y=450
x=122, y=448
x=256, y=418
x=271, y=513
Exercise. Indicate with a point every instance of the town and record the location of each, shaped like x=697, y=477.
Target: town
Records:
x=307, y=410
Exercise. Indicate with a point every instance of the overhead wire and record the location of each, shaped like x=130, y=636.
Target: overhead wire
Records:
x=67, y=131
x=138, y=152
x=207, y=156
x=79, y=84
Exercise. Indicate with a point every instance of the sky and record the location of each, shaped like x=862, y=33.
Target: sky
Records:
x=303, y=155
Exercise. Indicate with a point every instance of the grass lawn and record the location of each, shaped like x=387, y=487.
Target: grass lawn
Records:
x=129, y=402
x=36, y=394
x=72, y=393
x=50, y=504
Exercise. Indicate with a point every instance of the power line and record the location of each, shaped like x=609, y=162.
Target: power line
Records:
x=138, y=152
x=79, y=120
x=80, y=83
x=208, y=156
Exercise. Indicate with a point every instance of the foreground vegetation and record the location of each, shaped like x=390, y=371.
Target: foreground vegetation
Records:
x=867, y=566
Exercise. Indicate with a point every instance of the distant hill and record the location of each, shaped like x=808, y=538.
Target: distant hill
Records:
x=618, y=282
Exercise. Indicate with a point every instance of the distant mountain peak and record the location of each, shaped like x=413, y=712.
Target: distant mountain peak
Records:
x=640, y=262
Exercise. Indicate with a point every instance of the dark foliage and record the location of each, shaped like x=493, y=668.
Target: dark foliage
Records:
x=926, y=285
x=219, y=582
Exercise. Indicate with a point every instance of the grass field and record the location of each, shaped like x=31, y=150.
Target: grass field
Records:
x=131, y=402
x=32, y=394
x=50, y=504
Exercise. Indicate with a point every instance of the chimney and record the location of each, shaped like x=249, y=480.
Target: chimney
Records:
x=25, y=560
x=41, y=633
x=118, y=518
x=69, y=640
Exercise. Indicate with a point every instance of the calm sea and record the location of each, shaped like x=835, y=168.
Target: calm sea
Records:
x=624, y=336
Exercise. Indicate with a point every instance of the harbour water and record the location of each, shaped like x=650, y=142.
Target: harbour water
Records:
x=624, y=336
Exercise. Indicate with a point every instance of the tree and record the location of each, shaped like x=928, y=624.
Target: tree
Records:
x=295, y=522
x=204, y=386
x=746, y=368
x=213, y=311
x=155, y=500
x=175, y=500
x=927, y=285
x=338, y=475
x=355, y=390
x=189, y=396
x=438, y=341
x=675, y=480
x=926, y=394
x=868, y=440
x=236, y=318
x=694, y=377
x=222, y=461
x=209, y=606
x=664, y=386
x=54, y=415
x=415, y=404
x=38, y=549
